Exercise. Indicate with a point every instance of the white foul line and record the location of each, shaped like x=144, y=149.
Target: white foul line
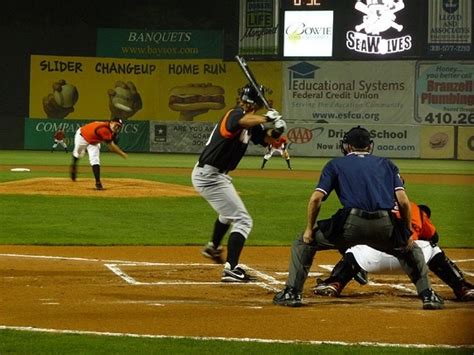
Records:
x=243, y=340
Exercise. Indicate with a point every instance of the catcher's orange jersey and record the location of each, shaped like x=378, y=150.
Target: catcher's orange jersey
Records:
x=97, y=132
x=421, y=224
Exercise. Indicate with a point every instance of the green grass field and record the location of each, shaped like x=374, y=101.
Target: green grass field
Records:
x=278, y=207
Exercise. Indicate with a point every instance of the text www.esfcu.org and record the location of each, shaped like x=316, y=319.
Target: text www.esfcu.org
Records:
x=158, y=51
x=375, y=116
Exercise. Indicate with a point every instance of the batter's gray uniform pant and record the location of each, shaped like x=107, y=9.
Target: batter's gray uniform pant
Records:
x=376, y=233
x=218, y=190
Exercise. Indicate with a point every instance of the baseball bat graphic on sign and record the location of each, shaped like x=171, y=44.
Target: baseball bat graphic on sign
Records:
x=251, y=78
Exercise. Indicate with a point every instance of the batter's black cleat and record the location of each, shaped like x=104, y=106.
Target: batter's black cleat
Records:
x=211, y=252
x=236, y=274
x=328, y=289
x=431, y=300
x=362, y=277
x=98, y=186
x=288, y=297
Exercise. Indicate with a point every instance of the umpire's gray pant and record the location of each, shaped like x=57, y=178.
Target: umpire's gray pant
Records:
x=376, y=233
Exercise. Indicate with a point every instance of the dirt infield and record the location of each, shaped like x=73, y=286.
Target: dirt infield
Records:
x=121, y=188
x=175, y=291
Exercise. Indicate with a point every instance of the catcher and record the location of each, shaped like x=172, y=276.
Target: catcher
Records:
x=360, y=259
x=279, y=145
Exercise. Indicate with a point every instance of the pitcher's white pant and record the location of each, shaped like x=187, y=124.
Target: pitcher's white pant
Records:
x=219, y=192
x=80, y=147
x=374, y=261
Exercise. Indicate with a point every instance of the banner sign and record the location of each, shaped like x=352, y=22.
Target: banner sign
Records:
x=178, y=90
x=323, y=140
x=450, y=27
x=466, y=143
x=259, y=27
x=437, y=142
x=159, y=44
x=445, y=93
x=349, y=92
x=133, y=137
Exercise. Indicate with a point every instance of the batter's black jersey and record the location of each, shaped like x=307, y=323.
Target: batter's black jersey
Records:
x=228, y=141
x=361, y=180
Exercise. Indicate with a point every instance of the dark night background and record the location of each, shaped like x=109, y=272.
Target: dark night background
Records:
x=69, y=28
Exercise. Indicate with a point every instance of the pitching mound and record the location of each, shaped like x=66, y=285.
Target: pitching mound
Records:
x=86, y=187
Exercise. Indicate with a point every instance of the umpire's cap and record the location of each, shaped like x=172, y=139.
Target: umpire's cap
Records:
x=425, y=209
x=357, y=137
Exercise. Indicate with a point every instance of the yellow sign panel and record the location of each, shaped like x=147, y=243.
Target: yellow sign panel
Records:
x=162, y=90
x=466, y=143
x=437, y=142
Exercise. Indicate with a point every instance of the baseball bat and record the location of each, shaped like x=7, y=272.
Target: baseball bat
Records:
x=251, y=78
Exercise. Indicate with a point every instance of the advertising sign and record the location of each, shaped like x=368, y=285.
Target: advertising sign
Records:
x=133, y=137
x=437, y=142
x=445, y=93
x=323, y=140
x=259, y=27
x=466, y=143
x=349, y=92
x=381, y=28
x=308, y=34
x=450, y=27
x=137, y=89
x=159, y=44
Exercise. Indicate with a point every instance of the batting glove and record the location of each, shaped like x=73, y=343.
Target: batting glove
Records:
x=272, y=115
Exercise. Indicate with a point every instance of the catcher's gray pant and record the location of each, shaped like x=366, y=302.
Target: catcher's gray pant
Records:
x=375, y=233
x=219, y=192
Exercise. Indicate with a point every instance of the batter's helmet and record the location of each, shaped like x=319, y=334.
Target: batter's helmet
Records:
x=357, y=137
x=250, y=95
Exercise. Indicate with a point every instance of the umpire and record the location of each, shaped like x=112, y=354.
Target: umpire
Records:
x=366, y=186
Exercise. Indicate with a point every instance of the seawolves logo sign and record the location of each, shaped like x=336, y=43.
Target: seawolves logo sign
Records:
x=378, y=17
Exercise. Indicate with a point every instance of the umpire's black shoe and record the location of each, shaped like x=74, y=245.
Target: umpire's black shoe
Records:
x=431, y=300
x=288, y=297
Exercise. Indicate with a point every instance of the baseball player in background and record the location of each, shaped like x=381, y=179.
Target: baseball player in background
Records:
x=279, y=145
x=224, y=150
x=59, y=140
x=89, y=137
x=366, y=259
x=366, y=186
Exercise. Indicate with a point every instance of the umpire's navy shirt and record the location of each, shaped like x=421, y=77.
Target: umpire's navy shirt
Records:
x=361, y=180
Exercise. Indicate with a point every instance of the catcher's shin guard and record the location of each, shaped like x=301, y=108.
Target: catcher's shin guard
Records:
x=302, y=255
x=447, y=271
x=345, y=270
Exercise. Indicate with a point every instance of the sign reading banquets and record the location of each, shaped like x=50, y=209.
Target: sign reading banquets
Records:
x=349, y=92
x=445, y=93
x=380, y=28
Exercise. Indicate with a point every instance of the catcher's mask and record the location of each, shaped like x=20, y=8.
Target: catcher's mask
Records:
x=250, y=95
x=358, y=138
x=425, y=209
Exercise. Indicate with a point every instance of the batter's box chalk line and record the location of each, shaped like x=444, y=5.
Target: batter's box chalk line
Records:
x=267, y=283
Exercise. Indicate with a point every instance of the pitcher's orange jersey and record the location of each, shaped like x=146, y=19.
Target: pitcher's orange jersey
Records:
x=97, y=132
